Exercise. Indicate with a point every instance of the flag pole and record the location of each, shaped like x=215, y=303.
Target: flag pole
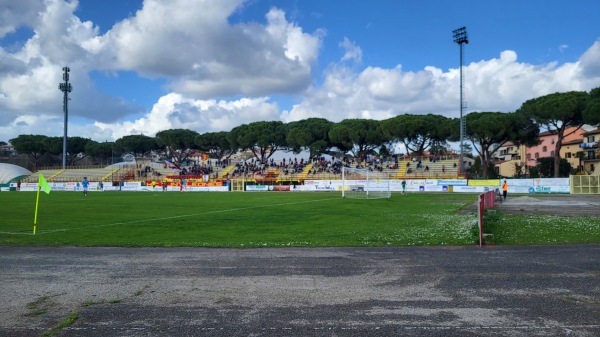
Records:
x=41, y=183
x=37, y=199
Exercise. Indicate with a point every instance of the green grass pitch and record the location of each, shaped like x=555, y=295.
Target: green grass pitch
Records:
x=246, y=219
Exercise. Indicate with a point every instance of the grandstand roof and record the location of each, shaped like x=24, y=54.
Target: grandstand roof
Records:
x=8, y=172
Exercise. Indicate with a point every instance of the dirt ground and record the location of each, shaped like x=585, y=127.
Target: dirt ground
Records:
x=546, y=204
x=552, y=204
x=395, y=291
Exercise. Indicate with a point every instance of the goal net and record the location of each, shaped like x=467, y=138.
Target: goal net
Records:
x=364, y=184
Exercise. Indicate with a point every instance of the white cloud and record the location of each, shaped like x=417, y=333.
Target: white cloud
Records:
x=14, y=14
x=352, y=51
x=195, y=48
x=205, y=56
x=30, y=76
x=590, y=63
x=174, y=111
x=221, y=74
x=499, y=84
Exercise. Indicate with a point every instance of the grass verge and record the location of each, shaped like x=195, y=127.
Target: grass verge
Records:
x=537, y=229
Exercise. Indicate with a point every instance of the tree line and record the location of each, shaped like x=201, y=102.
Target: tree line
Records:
x=419, y=134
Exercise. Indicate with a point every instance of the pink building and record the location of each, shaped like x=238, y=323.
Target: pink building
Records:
x=547, y=146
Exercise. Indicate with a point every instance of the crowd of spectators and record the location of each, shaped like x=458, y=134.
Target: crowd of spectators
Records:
x=147, y=171
x=194, y=172
x=257, y=167
x=320, y=165
x=323, y=165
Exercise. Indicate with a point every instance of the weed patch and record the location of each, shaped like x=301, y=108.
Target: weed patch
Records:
x=63, y=324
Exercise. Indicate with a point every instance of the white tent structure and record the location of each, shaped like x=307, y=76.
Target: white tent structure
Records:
x=9, y=172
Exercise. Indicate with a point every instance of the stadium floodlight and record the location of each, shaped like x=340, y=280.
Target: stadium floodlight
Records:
x=460, y=37
x=66, y=89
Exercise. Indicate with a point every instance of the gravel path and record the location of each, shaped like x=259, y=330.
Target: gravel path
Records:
x=415, y=291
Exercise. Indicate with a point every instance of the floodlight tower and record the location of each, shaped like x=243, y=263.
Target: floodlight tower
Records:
x=66, y=89
x=460, y=37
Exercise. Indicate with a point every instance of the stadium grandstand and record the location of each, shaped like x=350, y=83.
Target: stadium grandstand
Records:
x=281, y=172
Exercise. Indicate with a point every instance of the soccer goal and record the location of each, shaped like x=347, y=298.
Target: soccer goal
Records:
x=364, y=184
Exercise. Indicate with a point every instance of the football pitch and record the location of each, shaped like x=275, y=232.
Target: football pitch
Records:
x=263, y=219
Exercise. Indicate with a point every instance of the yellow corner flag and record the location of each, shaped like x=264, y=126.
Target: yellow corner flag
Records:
x=43, y=183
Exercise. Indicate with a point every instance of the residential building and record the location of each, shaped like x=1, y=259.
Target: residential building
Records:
x=547, y=145
x=570, y=150
x=506, y=156
x=7, y=151
x=591, y=147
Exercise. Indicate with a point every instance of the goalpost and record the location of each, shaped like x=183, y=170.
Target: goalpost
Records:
x=364, y=184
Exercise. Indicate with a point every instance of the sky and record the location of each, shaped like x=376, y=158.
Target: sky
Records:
x=143, y=66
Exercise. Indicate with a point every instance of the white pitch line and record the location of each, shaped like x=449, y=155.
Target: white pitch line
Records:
x=167, y=218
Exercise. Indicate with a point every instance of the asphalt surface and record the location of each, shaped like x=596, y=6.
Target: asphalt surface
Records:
x=398, y=291
x=552, y=204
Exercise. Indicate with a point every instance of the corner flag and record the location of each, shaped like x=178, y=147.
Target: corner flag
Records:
x=43, y=183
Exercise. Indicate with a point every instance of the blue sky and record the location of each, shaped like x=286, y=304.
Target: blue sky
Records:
x=139, y=67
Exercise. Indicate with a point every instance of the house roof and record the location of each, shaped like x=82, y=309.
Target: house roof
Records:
x=573, y=142
x=553, y=132
x=547, y=133
x=593, y=132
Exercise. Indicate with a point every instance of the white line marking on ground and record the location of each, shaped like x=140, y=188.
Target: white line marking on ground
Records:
x=169, y=217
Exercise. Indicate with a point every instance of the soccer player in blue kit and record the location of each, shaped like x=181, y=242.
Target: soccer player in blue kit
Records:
x=85, y=184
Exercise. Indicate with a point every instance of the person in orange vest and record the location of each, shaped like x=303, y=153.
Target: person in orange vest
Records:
x=504, y=189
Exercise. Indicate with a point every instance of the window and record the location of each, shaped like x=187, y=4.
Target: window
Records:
x=552, y=140
x=537, y=155
x=544, y=148
x=552, y=154
x=568, y=155
x=529, y=156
